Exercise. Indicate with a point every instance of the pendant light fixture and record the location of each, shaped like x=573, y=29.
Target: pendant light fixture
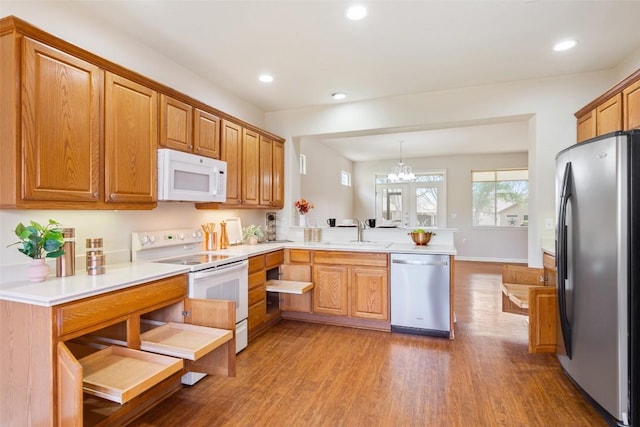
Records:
x=401, y=172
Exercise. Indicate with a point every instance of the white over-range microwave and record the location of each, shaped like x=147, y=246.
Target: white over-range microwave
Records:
x=190, y=178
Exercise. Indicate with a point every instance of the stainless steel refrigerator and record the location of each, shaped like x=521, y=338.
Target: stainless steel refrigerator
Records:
x=598, y=266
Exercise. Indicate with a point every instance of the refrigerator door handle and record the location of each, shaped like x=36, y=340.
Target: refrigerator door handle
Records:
x=561, y=252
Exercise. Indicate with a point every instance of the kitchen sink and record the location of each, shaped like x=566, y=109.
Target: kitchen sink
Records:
x=364, y=244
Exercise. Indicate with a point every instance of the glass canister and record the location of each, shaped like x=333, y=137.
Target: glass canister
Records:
x=66, y=264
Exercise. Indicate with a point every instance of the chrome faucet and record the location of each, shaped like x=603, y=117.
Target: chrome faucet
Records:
x=360, y=227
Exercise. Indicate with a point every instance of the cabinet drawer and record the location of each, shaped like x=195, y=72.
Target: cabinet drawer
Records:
x=256, y=263
x=93, y=311
x=256, y=295
x=299, y=255
x=257, y=279
x=367, y=259
x=274, y=259
x=257, y=315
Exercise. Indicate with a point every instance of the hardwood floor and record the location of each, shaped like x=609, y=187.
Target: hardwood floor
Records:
x=301, y=374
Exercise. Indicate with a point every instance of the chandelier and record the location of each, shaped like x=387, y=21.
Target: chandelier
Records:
x=401, y=172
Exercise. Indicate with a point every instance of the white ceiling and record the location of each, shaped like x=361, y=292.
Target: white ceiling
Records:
x=402, y=47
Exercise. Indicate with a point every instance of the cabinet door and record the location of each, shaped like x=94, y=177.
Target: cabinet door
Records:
x=69, y=388
x=543, y=306
x=369, y=293
x=265, y=179
x=250, y=167
x=277, y=175
x=330, y=290
x=61, y=125
x=176, y=121
x=206, y=134
x=609, y=115
x=231, y=152
x=631, y=106
x=131, y=139
x=587, y=126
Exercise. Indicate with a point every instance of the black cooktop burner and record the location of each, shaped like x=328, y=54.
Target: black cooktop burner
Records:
x=194, y=259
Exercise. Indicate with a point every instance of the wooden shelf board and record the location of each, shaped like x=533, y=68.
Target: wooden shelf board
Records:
x=119, y=374
x=289, y=286
x=184, y=340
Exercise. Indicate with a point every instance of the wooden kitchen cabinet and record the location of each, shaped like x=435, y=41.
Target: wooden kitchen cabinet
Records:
x=265, y=171
x=587, y=126
x=331, y=290
x=277, y=175
x=262, y=312
x=615, y=110
x=231, y=152
x=186, y=128
x=131, y=139
x=543, y=310
x=353, y=284
x=49, y=126
x=631, y=106
x=250, y=177
x=52, y=353
x=609, y=115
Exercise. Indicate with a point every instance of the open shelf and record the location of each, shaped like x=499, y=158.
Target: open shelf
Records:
x=289, y=286
x=184, y=340
x=119, y=374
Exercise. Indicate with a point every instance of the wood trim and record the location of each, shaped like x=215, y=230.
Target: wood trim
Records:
x=13, y=23
x=618, y=87
x=353, y=322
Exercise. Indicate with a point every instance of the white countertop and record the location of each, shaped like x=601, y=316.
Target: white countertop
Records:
x=58, y=290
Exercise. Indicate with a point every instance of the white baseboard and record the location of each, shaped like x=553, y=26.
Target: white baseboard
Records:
x=501, y=260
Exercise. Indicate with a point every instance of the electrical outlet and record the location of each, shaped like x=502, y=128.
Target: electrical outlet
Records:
x=548, y=223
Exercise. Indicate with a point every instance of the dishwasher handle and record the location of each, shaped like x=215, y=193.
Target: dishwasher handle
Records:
x=414, y=262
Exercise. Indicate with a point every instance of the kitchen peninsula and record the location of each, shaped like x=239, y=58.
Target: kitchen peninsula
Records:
x=71, y=317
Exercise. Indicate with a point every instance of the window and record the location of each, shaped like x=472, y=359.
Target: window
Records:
x=500, y=198
x=302, y=160
x=345, y=178
x=421, y=202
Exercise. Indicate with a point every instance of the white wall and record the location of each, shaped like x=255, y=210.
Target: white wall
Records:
x=551, y=102
x=485, y=244
x=627, y=67
x=322, y=184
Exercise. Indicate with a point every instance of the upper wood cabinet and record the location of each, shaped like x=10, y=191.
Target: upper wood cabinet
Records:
x=615, y=110
x=250, y=179
x=206, y=133
x=631, y=103
x=231, y=152
x=587, y=126
x=265, y=171
x=80, y=132
x=50, y=142
x=609, y=115
x=131, y=138
x=189, y=129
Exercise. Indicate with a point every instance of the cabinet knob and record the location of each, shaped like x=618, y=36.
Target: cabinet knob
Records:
x=95, y=195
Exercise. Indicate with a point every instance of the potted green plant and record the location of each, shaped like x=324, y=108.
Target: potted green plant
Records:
x=252, y=234
x=38, y=243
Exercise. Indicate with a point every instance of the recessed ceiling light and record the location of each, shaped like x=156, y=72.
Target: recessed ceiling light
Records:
x=266, y=78
x=564, y=45
x=338, y=95
x=356, y=12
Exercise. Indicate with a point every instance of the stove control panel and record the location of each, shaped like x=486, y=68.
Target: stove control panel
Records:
x=142, y=240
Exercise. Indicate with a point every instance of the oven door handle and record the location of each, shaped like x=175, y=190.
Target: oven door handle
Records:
x=244, y=265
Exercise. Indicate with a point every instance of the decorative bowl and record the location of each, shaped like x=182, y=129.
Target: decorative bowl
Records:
x=421, y=239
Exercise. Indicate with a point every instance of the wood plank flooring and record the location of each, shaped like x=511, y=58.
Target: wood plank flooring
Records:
x=302, y=374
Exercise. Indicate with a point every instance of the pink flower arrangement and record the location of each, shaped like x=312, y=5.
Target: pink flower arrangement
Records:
x=303, y=206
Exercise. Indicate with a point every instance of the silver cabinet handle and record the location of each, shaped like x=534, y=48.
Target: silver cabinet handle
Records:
x=412, y=262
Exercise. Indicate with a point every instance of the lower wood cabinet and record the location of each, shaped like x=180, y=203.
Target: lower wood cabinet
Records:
x=110, y=357
x=262, y=311
x=543, y=310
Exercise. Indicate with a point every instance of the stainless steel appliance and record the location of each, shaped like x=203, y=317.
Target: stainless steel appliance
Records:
x=420, y=294
x=189, y=177
x=597, y=256
x=212, y=275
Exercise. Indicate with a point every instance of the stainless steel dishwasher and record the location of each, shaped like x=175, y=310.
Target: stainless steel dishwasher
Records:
x=420, y=294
